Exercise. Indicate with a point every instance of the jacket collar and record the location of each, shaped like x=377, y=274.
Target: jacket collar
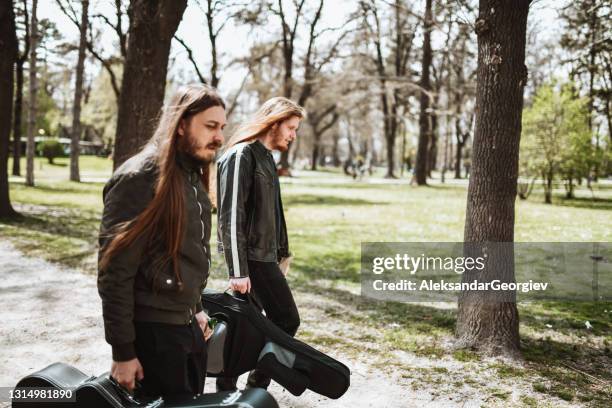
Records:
x=188, y=163
x=261, y=146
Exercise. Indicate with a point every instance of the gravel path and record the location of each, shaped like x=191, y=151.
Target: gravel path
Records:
x=54, y=314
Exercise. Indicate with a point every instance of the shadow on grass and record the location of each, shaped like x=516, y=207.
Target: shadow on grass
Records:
x=311, y=199
x=65, y=188
x=350, y=184
x=594, y=203
x=67, y=236
x=573, y=370
x=63, y=223
x=568, y=317
x=415, y=317
x=341, y=265
x=569, y=371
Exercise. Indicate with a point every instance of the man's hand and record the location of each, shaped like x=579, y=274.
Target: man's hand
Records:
x=284, y=265
x=242, y=285
x=127, y=372
x=202, y=319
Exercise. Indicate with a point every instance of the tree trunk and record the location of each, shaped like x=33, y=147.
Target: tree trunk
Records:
x=432, y=160
x=322, y=156
x=608, y=118
x=152, y=26
x=458, y=160
x=214, y=80
x=570, y=187
x=315, y=154
x=424, y=116
x=78, y=93
x=446, y=148
x=284, y=168
x=335, y=154
x=17, y=118
x=548, y=179
x=30, y=146
x=390, y=156
x=402, y=129
x=8, y=57
x=490, y=323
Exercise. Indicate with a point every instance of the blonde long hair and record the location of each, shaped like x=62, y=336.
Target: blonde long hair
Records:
x=273, y=111
x=164, y=217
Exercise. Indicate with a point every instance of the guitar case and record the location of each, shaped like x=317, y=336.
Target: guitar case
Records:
x=245, y=339
x=103, y=392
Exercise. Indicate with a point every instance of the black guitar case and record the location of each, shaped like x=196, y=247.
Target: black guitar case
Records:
x=102, y=392
x=246, y=339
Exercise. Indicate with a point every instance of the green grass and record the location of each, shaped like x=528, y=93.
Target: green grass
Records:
x=328, y=218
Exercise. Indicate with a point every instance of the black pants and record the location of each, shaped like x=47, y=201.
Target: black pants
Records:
x=270, y=289
x=173, y=358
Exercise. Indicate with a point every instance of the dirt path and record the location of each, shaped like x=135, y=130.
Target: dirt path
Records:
x=54, y=314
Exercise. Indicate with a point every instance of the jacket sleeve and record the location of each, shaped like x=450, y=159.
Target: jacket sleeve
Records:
x=235, y=175
x=124, y=199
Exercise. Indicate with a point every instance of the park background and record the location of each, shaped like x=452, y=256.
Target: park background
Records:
x=391, y=137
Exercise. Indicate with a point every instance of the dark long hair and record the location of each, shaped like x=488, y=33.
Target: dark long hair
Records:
x=163, y=219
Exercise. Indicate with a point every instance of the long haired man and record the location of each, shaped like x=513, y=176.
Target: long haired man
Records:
x=251, y=224
x=154, y=254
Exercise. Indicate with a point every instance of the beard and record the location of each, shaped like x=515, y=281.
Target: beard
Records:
x=279, y=141
x=199, y=151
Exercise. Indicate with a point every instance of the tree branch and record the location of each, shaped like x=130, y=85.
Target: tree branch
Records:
x=190, y=57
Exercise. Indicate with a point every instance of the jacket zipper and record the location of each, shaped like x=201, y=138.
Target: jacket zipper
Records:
x=195, y=192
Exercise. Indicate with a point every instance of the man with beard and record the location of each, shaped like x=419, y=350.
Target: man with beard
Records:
x=251, y=223
x=154, y=254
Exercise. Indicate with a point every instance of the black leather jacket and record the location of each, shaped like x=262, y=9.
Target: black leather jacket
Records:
x=136, y=287
x=251, y=224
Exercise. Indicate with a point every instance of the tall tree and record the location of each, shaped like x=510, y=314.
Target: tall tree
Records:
x=78, y=94
x=21, y=59
x=8, y=57
x=152, y=26
x=461, y=94
x=441, y=75
x=588, y=24
x=390, y=79
x=112, y=62
x=216, y=11
x=587, y=38
x=484, y=321
x=32, y=111
x=425, y=123
x=289, y=33
x=556, y=138
x=321, y=122
x=316, y=82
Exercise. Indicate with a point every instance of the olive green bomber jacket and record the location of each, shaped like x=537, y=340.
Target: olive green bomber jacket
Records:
x=136, y=285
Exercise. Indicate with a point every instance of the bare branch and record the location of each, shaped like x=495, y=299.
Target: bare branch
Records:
x=69, y=12
x=191, y=59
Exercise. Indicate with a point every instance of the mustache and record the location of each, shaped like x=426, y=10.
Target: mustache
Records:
x=214, y=145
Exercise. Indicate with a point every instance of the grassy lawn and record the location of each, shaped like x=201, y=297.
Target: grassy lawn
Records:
x=328, y=217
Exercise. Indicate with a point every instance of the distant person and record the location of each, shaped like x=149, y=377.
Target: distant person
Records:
x=408, y=162
x=154, y=255
x=467, y=164
x=413, y=179
x=251, y=222
x=360, y=168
